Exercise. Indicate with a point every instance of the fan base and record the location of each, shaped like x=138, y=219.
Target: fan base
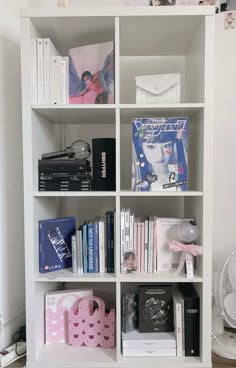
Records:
x=228, y=347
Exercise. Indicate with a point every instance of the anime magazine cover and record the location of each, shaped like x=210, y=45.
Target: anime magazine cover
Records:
x=91, y=74
x=160, y=154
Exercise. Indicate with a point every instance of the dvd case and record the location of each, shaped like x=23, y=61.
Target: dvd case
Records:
x=160, y=154
x=156, y=308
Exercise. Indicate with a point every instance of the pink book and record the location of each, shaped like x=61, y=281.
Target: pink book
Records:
x=142, y=248
x=91, y=74
x=138, y=244
x=155, y=245
x=135, y=242
x=57, y=305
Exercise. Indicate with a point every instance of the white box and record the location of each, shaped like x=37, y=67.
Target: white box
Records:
x=156, y=340
x=55, y=80
x=167, y=232
x=48, y=50
x=149, y=352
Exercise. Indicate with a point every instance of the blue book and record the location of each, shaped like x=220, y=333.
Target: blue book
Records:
x=55, y=244
x=85, y=247
x=91, y=247
x=96, y=244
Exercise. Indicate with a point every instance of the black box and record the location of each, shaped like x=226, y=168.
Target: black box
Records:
x=156, y=308
x=104, y=164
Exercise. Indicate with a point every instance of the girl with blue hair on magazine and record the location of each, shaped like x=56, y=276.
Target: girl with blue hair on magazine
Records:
x=159, y=155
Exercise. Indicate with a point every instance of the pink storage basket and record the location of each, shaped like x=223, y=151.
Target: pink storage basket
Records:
x=57, y=322
x=93, y=329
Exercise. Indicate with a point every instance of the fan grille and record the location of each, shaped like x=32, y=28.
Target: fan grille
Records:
x=226, y=289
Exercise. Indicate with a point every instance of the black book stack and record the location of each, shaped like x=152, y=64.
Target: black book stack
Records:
x=64, y=175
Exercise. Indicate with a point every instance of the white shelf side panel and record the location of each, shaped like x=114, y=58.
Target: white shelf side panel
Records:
x=194, y=66
x=208, y=187
x=195, y=152
x=32, y=296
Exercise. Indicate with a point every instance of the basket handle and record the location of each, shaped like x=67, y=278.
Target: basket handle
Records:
x=100, y=303
x=60, y=300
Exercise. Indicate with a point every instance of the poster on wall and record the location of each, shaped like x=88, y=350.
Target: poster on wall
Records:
x=229, y=20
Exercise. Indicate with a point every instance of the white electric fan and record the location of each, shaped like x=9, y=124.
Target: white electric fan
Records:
x=224, y=309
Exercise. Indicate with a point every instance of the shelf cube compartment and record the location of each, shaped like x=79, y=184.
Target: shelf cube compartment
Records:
x=151, y=49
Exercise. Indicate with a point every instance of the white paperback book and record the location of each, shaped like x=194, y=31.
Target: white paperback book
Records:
x=127, y=230
x=146, y=238
x=55, y=80
x=181, y=300
x=102, y=251
x=177, y=312
x=40, y=70
x=135, y=340
x=48, y=50
x=65, y=80
x=122, y=236
x=167, y=232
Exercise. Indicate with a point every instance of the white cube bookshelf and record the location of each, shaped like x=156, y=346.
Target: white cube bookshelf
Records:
x=148, y=40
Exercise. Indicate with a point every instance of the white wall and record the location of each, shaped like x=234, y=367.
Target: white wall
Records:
x=12, y=295
x=224, y=171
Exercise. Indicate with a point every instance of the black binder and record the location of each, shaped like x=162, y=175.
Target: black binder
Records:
x=191, y=319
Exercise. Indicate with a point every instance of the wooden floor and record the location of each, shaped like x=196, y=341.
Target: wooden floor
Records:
x=218, y=362
x=18, y=364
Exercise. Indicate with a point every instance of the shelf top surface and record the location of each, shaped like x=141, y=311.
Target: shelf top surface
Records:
x=123, y=193
x=105, y=114
x=68, y=276
x=84, y=11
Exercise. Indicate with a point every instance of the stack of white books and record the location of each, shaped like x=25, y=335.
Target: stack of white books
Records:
x=51, y=74
x=135, y=343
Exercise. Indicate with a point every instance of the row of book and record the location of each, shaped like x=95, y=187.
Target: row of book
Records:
x=85, y=75
x=51, y=73
x=90, y=248
x=145, y=243
x=93, y=245
x=160, y=320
